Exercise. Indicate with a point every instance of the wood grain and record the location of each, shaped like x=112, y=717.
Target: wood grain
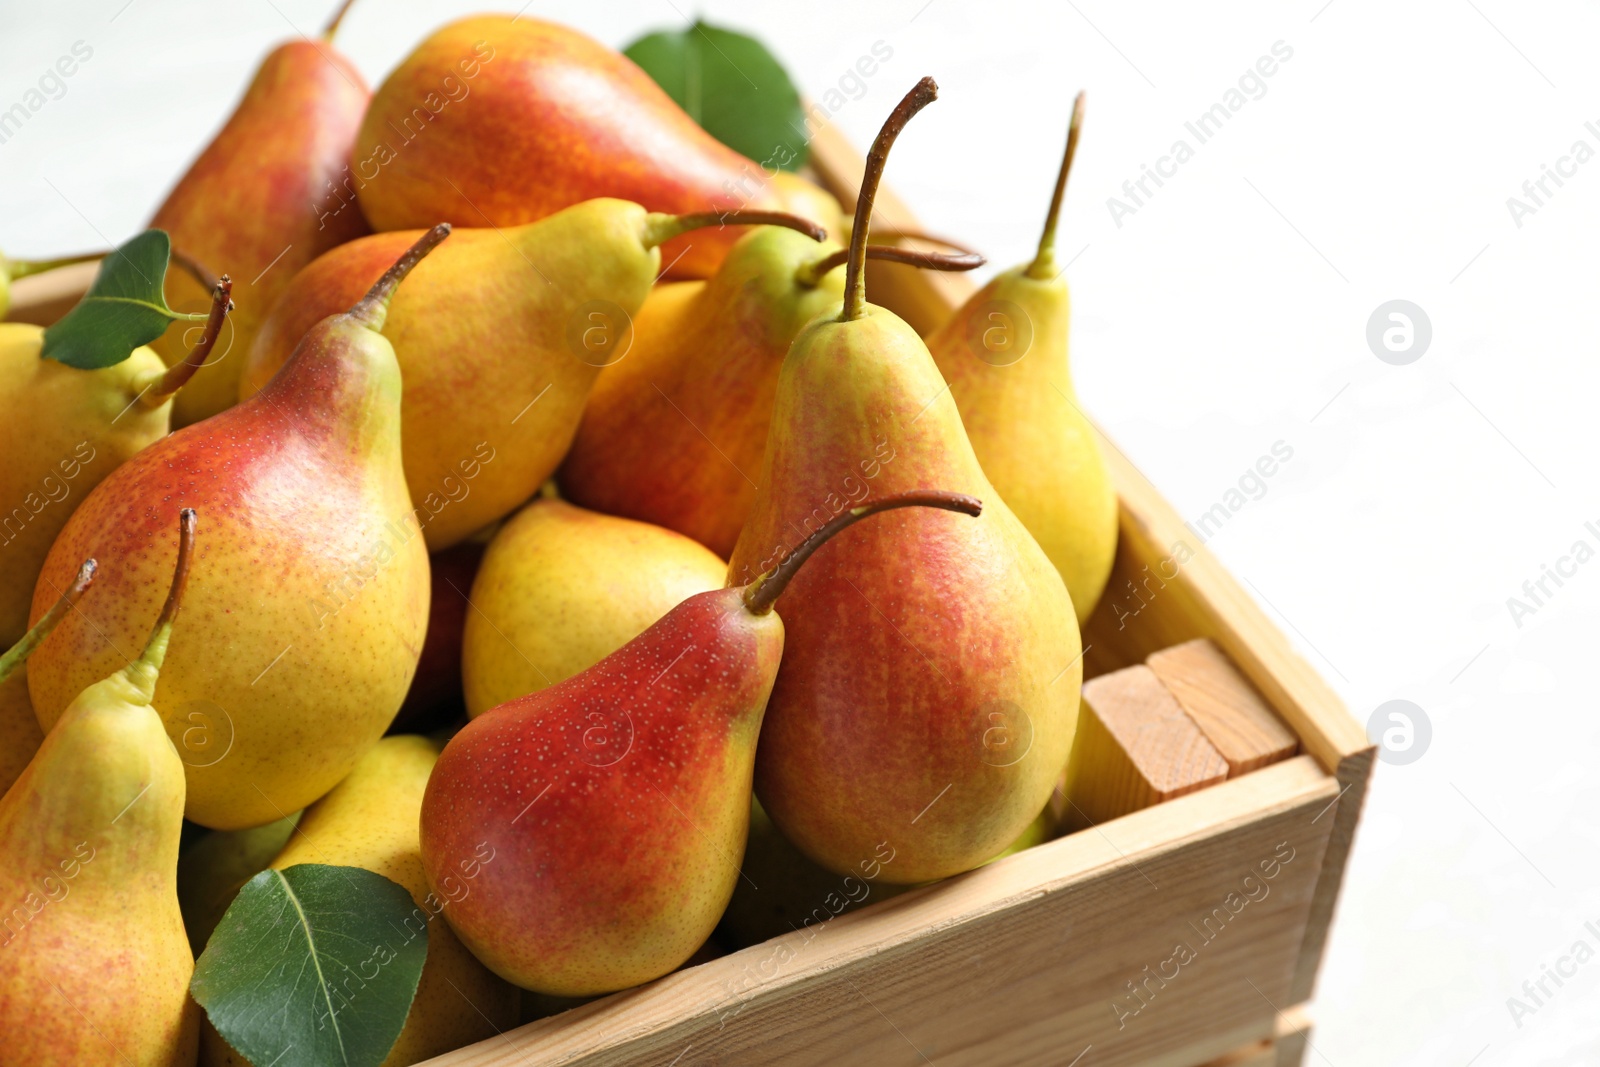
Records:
x=43, y=298
x=1294, y=1037
x=1286, y=1048
x=1135, y=747
x=1223, y=704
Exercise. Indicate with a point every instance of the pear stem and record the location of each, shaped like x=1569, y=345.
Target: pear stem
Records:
x=659, y=228
x=921, y=95
x=21, y=268
x=178, y=375
x=193, y=268
x=923, y=235
x=810, y=274
x=17, y=653
x=155, y=651
x=1043, y=266
x=333, y=24
x=761, y=594
x=373, y=309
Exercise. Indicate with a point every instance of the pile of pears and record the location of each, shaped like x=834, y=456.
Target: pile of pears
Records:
x=547, y=493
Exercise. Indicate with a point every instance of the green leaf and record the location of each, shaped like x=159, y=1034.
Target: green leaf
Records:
x=312, y=966
x=733, y=87
x=123, y=309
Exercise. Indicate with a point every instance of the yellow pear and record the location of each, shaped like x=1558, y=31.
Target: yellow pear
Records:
x=1004, y=353
x=94, y=962
x=66, y=429
x=561, y=588
x=499, y=343
x=370, y=821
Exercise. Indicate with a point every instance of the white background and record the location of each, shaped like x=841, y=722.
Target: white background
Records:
x=1227, y=313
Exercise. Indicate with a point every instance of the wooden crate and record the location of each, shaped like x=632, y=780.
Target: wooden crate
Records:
x=1027, y=960
x=1042, y=957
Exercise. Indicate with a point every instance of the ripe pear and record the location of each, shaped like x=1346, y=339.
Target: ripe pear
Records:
x=20, y=736
x=616, y=802
x=264, y=198
x=310, y=600
x=561, y=588
x=369, y=820
x=929, y=691
x=1004, y=353
x=213, y=870
x=67, y=429
x=499, y=339
x=570, y=120
x=94, y=962
x=674, y=434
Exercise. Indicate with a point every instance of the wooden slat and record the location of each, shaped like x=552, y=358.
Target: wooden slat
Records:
x=1255, y=1054
x=44, y=298
x=1354, y=773
x=1017, y=962
x=1135, y=747
x=1286, y=1048
x=1224, y=705
x=1294, y=1037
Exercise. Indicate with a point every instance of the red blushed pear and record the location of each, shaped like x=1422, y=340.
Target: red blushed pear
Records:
x=500, y=340
x=674, y=434
x=568, y=120
x=264, y=198
x=94, y=961
x=929, y=690
x=614, y=805
x=308, y=605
